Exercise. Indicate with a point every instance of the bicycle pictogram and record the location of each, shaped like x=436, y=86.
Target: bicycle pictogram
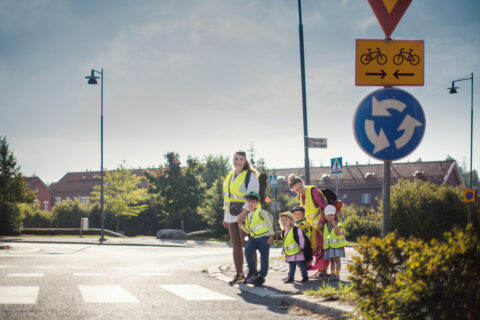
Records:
x=398, y=59
x=366, y=58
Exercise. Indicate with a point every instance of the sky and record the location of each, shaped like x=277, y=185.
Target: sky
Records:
x=201, y=77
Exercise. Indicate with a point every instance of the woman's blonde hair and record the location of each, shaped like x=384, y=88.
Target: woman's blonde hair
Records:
x=293, y=180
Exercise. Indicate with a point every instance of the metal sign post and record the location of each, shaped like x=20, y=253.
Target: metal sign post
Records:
x=273, y=185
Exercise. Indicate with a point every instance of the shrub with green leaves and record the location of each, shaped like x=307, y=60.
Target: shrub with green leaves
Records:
x=67, y=214
x=425, y=210
x=360, y=221
x=396, y=278
x=34, y=217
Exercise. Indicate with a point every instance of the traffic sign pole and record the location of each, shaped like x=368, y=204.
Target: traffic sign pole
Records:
x=386, y=198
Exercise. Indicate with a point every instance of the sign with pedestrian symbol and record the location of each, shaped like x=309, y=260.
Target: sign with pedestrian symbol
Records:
x=389, y=62
x=389, y=124
x=273, y=180
x=336, y=165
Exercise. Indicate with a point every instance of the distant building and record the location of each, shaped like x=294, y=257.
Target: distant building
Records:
x=43, y=197
x=362, y=184
x=79, y=185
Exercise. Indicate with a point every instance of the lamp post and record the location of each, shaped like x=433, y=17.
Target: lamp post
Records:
x=453, y=90
x=304, y=94
x=92, y=79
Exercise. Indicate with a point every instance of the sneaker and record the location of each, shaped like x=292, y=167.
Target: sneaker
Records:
x=288, y=280
x=304, y=279
x=239, y=278
x=259, y=280
x=252, y=274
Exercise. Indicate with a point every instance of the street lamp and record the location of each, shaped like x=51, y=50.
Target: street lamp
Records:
x=453, y=90
x=92, y=79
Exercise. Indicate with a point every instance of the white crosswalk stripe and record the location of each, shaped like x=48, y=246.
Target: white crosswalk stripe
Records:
x=25, y=275
x=194, y=292
x=153, y=274
x=105, y=294
x=90, y=274
x=18, y=295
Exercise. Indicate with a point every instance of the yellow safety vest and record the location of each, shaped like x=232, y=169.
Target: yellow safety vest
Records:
x=331, y=240
x=290, y=246
x=256, y=225
x=235, y=195
x=312, y=214
x=302, y=224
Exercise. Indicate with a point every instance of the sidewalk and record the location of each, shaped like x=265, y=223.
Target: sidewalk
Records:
x=291, y=293
x=135, y=241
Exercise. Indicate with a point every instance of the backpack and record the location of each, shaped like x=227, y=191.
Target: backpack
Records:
x=262, y=180
x=329, y=195
x=307, y=250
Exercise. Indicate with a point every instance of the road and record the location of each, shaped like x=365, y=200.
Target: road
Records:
x=67, y=281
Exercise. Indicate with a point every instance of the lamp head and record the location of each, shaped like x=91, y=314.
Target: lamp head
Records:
x=92, y=79
x=453, y=89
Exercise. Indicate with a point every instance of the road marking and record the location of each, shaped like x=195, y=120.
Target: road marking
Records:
x=4, y=267
x=121, y=268
x=105, y=294
x=194, y=292
x=43, y=267
x=79, y=268
x=90, y=274
x=18, y=295
x=25, y=275
x=154, y=274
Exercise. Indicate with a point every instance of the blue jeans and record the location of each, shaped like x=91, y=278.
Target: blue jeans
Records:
x=301, y=265
x=262, y=246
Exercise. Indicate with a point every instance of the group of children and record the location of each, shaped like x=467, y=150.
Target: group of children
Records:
x=298, y=238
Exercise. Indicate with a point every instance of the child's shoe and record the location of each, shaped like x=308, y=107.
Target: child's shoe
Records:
x=259, y=281
x=288, y=280
x=252, y=274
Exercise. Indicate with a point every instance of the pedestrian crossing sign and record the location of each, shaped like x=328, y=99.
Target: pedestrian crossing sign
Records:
x=336, y=165
x=273, y=180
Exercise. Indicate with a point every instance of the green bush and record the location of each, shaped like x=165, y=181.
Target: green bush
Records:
x=67, y=214
x=425, y=210
x=396, y=278
x=360, y=221
x=10, y=218
x=36, y=218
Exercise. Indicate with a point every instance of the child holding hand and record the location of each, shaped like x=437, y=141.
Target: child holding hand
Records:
x=334, y=241
x=292, y=249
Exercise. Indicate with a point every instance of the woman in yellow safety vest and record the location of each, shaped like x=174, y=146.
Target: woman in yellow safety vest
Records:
x=238, y=183
x=314, y=202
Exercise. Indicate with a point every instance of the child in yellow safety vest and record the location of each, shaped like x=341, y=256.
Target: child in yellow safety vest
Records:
x=292, y=250
x=302, y=223
x=334, y=241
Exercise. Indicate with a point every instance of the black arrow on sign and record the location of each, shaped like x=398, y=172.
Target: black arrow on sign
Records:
x=382, y=74
x=397, y=74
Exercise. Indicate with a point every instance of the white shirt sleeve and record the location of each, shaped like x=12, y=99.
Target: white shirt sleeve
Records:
x=253, y=185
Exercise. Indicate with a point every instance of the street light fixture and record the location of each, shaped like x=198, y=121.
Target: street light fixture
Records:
x=92, y=79
x=453, y=90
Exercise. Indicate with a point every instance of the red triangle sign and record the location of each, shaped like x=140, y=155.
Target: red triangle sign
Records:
x=389, y=13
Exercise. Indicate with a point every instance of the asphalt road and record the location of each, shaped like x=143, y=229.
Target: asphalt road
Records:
x=65, y=281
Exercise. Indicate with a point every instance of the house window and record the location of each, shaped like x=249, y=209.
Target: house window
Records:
x=36, y=202
x=68, y=198
x=344, y=196
x=84, y=201
x=45, y=205
x=58, y=200
x=366, y=198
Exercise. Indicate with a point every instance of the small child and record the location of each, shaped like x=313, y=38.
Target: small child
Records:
x=292, y=250
x=259, y=225
x=300, y=221
x=334, y=241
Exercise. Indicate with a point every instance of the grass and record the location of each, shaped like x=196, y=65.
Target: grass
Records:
x=343, y=292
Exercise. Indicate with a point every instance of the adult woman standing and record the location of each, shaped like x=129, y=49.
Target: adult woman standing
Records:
x=239, y=182
x=314, y=202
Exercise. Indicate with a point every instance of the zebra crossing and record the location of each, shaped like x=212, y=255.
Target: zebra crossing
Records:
x=29, y=288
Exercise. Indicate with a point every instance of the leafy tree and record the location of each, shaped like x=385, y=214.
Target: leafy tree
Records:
x=12, y=191
x=124, y=194
x=215, y=168
x=361, y=221
x=178, y=191
x=34, y=217
x=212, y=211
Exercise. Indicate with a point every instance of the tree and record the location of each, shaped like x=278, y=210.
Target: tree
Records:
x=215, y=168
x=212, y=211
x=12, y=191
x=67, y=214
x=179, y=191
x=124, y=194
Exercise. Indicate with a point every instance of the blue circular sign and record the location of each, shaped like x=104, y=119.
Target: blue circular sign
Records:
x=469, y=195
x=389, y=124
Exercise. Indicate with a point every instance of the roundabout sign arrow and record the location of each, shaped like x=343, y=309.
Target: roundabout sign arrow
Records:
x=389, y=124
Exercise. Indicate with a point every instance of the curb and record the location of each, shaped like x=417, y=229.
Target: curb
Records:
x=330, y=308
x=97, y=243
